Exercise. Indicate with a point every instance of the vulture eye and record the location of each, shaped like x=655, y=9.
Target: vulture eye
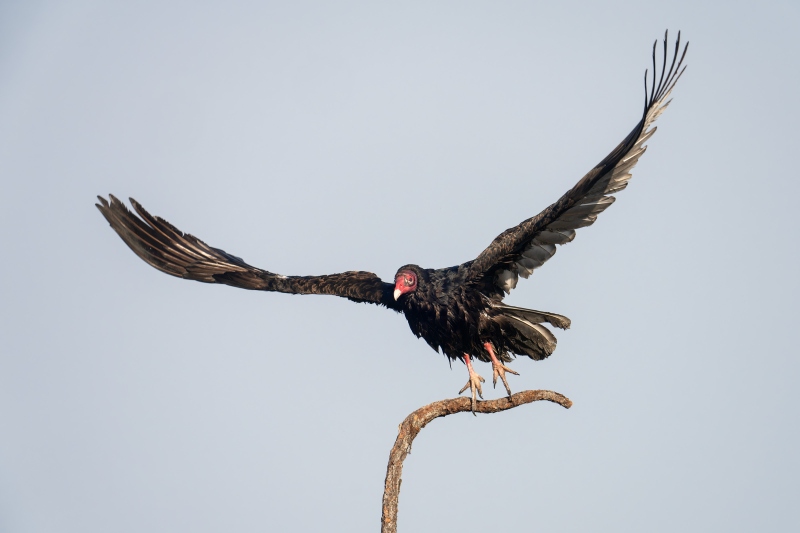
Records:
x=409, y=281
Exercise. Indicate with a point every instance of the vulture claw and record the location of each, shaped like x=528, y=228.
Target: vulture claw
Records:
x=499, y=369
x=474, y=384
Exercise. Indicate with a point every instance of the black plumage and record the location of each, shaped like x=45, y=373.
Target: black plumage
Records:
x=457, y=310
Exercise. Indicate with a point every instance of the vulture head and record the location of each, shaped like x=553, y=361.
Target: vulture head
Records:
x=407, y=280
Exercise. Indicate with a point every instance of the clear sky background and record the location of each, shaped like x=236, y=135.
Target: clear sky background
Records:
x=318, y=137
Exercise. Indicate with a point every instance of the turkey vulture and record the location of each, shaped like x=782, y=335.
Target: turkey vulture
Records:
x=458, y=310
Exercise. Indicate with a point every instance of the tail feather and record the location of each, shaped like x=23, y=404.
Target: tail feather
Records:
x=525, y=338
x=525, y=333
x=535, y=317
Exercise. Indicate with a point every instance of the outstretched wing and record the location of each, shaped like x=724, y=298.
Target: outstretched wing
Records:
x=165, y=247
x=518, y=251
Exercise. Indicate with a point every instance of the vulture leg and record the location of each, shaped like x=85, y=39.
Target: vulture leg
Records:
x=474, y=383
x=498, y=368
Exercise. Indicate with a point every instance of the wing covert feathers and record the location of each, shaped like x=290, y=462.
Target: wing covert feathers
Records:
x=520, y=250
x=166, y=248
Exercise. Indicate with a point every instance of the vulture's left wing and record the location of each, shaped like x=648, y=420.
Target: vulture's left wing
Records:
x=518, y=251
x=165, y=247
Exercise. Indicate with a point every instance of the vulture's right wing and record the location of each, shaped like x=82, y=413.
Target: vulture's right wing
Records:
x=165, y=247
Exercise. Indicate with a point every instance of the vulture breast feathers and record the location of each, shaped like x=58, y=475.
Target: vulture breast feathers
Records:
x=457, y=310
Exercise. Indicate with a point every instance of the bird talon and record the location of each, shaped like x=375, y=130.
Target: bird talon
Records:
x=474, y=384
x=499, y=369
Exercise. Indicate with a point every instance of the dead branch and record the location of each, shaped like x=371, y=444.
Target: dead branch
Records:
x=420, y=418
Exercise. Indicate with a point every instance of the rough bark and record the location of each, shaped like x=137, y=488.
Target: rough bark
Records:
x=417, y=420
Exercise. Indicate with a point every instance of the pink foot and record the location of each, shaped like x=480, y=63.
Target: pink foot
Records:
x=474, y=383
x=498, y=368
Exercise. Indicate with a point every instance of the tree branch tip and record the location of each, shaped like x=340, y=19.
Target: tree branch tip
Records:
x=522, y=398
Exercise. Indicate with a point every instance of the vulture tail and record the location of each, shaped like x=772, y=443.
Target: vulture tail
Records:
x=534, y=317
x=525, y=333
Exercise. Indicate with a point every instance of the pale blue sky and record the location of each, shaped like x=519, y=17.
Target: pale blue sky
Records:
x=317, y=137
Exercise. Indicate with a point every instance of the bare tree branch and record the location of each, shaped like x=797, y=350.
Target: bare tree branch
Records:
x=420, y=418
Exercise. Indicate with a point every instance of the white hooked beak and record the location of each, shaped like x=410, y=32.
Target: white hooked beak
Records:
x=397, y=294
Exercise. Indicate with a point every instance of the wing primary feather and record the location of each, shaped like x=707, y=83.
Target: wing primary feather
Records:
x=174, y=236
x=653, y=88
x=143, y=243
x=664, y=62
x=675, y=57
